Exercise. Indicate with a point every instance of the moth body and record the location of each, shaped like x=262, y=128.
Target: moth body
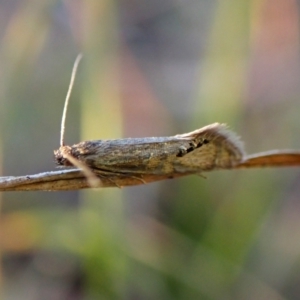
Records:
x=208, y=148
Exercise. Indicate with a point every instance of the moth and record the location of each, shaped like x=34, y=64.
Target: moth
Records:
x=209, y=148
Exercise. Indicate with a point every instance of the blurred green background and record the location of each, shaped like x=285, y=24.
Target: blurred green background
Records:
x=150, y=68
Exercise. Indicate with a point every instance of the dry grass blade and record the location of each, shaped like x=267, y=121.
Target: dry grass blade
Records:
x=66, y=180
x=273, y=158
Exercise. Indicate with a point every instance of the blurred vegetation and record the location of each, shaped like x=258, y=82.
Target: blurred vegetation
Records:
x=150, y=68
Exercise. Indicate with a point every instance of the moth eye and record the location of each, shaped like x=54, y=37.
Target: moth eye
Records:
x=205, y=141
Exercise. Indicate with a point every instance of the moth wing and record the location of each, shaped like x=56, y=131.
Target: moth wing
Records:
x=218, y=148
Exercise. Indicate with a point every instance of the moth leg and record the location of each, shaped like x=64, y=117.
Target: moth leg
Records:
x=110, y=176
x=112, y=181
x=138, y=178
x=127, y=175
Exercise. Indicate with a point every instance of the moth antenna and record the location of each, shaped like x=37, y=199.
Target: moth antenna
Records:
x=63, y=119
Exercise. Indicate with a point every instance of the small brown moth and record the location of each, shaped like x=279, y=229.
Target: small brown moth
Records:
x=209, y=148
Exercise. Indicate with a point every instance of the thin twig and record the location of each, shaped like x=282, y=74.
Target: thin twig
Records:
x=70, y=179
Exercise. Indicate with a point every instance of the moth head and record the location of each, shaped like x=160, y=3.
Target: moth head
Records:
x=61, y=154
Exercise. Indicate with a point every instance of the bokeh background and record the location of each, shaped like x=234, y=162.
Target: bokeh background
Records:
x=150, y=68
